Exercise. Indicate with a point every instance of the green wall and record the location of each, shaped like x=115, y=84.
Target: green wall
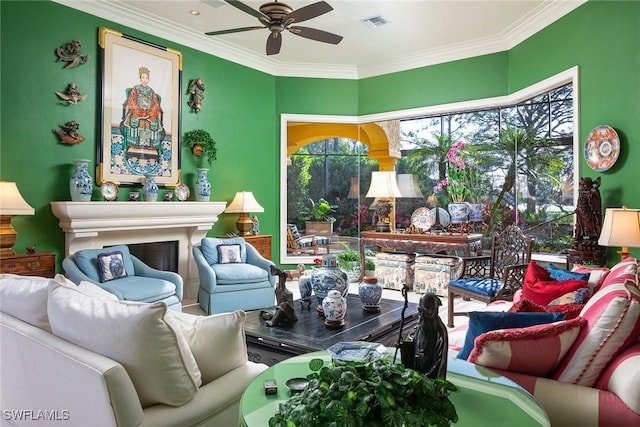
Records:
x=242, y=106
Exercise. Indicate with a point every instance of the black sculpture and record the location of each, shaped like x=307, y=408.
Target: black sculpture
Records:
x=584, y=245
x=426, y=349
x=284, y=299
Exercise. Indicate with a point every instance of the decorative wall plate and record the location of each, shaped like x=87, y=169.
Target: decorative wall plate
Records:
x=421, y=218
x=109, y=191
x=182, y=192
x=602, y=148
x=443, y=216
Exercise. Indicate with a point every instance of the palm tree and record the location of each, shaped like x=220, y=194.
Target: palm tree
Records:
x=430, y=158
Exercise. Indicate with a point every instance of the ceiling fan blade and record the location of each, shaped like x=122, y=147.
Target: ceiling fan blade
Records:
x=274, y=41
x=243, y=7
x=308, y=12
x=315, y=34
x=233, y=30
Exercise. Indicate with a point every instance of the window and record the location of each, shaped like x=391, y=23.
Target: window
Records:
x=522, y=147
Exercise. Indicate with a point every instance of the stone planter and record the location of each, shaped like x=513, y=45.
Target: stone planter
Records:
x=319, y=228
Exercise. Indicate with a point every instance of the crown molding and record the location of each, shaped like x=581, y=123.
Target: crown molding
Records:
x=114, y=11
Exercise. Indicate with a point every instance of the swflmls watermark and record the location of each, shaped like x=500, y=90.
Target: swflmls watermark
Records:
x=36, y=415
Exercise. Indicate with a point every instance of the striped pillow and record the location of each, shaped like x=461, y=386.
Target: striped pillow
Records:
x=612, y=323
x=596, y=274
x=534, y=350
x=624, y=270
x=622, y=377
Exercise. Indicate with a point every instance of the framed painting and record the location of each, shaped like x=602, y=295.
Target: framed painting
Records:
x=140, y=99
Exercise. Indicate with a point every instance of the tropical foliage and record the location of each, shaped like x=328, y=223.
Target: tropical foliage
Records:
x=371, y=394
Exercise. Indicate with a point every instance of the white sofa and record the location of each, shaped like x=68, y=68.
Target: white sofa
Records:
x=47, y=378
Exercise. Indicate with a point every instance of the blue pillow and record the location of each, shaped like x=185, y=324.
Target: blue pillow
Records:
x=561, y=274
x=485, y=321
x=111, y=266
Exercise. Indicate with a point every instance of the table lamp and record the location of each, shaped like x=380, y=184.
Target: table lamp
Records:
x=11, y=204
x=243, y=203
x=384, y=187
x=621, y=228
x=408, y=186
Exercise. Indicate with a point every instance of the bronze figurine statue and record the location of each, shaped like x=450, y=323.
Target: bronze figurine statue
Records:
x=196, y=89
x=282, y=293
x=584, y=244
x=72, y=96
x=71, y=54
x=68, y=133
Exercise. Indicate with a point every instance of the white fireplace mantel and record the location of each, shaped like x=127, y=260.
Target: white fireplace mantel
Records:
x=92, y=225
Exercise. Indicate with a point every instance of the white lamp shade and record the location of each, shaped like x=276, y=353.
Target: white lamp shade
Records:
x=383, y=184
x=408, y=185
x=621, y=228
x=11, y=201
x=244, y=202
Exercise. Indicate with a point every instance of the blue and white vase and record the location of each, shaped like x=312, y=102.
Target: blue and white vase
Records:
x=355, y=274
x=370, y=292
x=459, y=212
x=476, y=212
x=150, y=189
x=328, y=277
x=81, y=183
x=304, y=284
x=203, y=186
x=334, y=307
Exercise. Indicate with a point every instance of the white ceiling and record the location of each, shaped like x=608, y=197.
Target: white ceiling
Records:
x=420, y=32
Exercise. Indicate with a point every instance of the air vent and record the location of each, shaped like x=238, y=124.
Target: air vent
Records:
x=214, y=3
x=375, y=21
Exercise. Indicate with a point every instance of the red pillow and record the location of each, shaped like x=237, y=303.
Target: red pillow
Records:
x=571, y=310
x=544, y=291
x=534, y=274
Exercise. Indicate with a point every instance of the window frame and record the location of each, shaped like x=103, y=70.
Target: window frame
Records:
x=569, y=76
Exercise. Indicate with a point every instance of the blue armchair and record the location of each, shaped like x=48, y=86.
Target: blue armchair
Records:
x=233, y=276
x=124, y=275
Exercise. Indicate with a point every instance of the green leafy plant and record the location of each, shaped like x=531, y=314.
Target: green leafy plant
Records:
x=347, y=257
x=202, y=138
x=377, y=393
x=369, y=265
x=318, y=211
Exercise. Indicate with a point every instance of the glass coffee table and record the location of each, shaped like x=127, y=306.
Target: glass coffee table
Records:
x=485, y=398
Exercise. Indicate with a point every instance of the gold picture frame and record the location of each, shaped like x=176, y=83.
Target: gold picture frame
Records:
x=140, y=106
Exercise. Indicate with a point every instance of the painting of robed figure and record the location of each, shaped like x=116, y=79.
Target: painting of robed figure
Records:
x=141, y=114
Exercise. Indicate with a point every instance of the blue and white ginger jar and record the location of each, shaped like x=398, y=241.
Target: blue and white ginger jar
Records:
x=334, y=306
x=370, y=292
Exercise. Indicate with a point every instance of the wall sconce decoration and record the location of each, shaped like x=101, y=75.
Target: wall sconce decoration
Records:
x=68, y=133
x=11, y=203
x=71, y=54
x=243, y=203
x=384, y=187
x=72, y=96
x=196, y=90
x=621, y=228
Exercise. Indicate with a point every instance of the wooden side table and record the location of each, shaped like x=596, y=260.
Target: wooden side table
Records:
x=262, y=243
x=36, y=264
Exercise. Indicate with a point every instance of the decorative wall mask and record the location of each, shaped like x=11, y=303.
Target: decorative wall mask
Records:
x=68, y=133
x=196, y=89
x=71, y=54
x=72, y=96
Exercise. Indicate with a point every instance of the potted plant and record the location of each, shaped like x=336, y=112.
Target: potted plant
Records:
x=317, y=218
x=201, y=143
x=349, y=262
x=372, y=393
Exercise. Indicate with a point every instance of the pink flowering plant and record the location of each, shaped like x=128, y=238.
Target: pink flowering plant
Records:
x=456, y=180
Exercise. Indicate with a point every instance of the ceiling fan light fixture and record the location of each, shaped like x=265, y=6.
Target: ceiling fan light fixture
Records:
x=375, y=21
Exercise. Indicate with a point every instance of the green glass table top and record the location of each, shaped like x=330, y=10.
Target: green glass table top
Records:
x=485, y=398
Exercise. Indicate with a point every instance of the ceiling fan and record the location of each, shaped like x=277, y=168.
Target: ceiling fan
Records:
x=277, y=17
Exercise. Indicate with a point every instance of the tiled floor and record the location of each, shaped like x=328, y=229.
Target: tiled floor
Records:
x=191, y=306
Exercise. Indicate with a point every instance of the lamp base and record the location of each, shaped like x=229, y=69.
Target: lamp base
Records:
x=8, y=237
x=383, y=227
x=244, y=224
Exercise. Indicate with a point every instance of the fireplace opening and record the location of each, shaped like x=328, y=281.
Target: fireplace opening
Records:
x=158, y=255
